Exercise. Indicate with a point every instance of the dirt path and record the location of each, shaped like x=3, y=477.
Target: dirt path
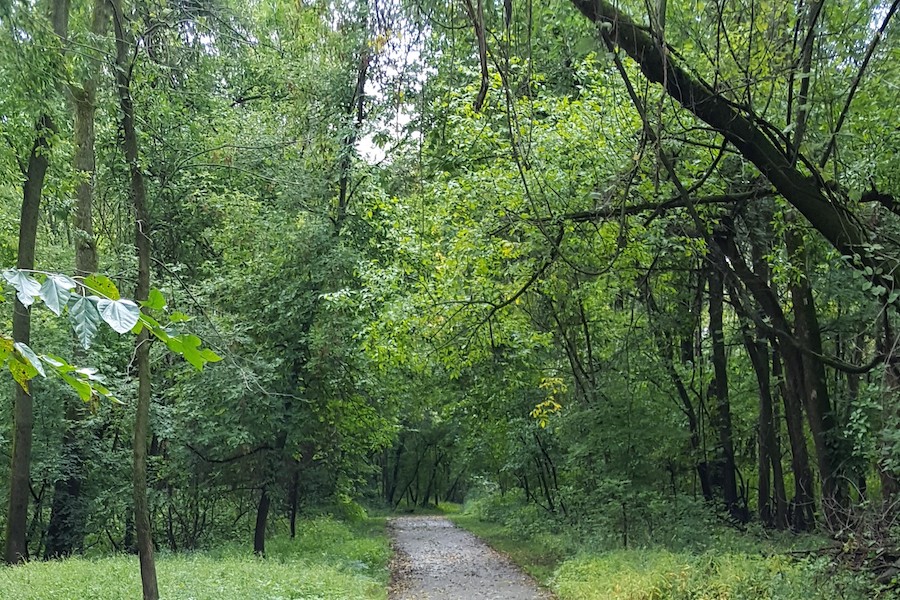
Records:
x=435, y=560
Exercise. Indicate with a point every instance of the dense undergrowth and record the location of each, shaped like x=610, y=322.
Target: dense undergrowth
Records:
x=685, y=552
x=328, y=559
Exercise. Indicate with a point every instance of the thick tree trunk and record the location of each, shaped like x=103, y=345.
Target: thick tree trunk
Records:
x=141, y=292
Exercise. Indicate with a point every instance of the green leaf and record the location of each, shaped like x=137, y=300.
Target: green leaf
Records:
x=85, y=318
x=210, y=356
x=27, y=287
x=173, y=343
x=189, y=347
x=155, y=300
x=21, y=372
x=191, y=351
x=31, y=357
x=82, y=387
x=102, y=285
x=121, y=315
x=58, y=364
x=56, y=292
x=179, y=317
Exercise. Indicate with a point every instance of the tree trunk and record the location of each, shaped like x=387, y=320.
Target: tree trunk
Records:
x=262, y=517
x=65, y=533
x=23, y=414
x=141, y=292
x=792, y=388
x=701, y=465
x=23, y=409
x=822, y=424
x=356, y=114
x=719, y=391
x=802, y=509
x=769, y=451
x=294, y=499
x=890, y=486
x=394, y=479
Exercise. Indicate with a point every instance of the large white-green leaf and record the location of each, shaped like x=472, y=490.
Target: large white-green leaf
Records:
x=27, y=287
x=121, y=315
x=85, y=318
x=56, y=292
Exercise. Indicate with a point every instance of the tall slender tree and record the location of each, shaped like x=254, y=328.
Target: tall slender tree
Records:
x=23, y=413
x=131, y=149
x=68, y=511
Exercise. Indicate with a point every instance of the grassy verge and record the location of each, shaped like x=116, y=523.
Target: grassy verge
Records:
x=327, y=560
x=725, y=570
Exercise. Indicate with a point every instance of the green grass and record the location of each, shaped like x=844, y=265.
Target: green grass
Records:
x=328, y=560
x=729, y=568
x=664, y=575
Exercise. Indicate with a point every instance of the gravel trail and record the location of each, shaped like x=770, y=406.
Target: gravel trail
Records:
x=435, y=560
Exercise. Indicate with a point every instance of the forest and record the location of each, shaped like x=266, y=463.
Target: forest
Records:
x=613, y=284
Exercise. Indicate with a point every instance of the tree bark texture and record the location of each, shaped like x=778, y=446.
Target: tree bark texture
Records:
x=141, y=292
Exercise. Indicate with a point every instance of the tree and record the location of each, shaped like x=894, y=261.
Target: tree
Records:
x=65, y=531
x=38, y=160
x=141, y=294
